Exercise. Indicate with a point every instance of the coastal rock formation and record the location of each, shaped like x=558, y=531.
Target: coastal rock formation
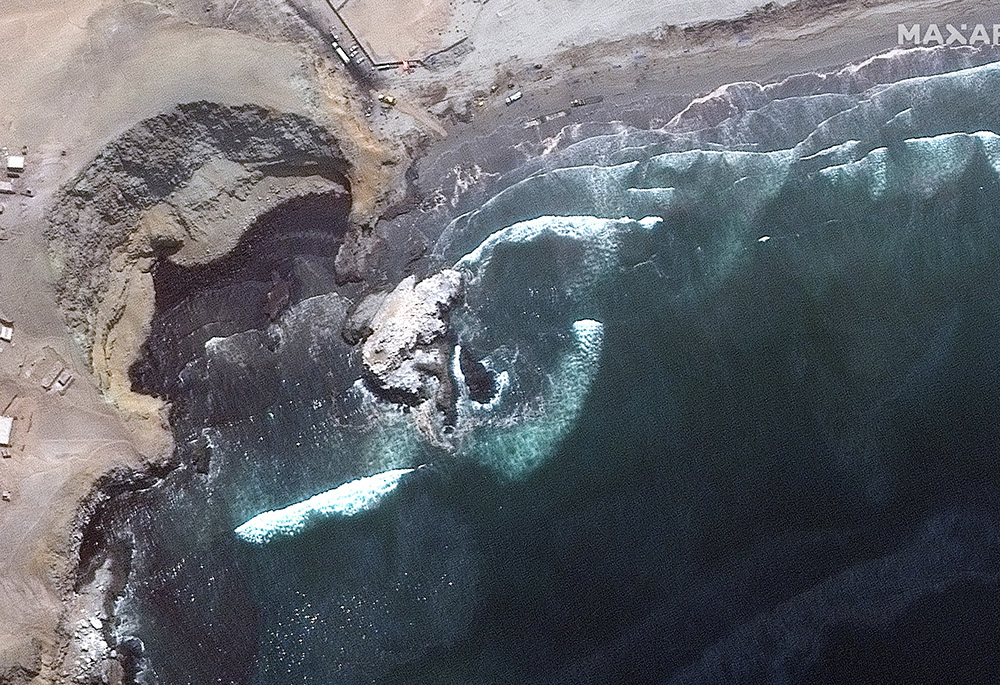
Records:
x=480, y=382
x=183, y=186
x=357, y=327
x=406, y=356
x=360, y=257
x=158, y=158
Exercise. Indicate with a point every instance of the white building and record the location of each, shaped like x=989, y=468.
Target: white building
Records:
x=15, y=163
x=6, y=426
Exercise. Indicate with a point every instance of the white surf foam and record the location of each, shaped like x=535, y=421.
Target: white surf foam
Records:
x=600, y=236
x=515, y=450
x=348, y=499
x=584, y=228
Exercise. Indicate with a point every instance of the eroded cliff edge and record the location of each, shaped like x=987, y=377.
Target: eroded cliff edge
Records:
x=184, y=184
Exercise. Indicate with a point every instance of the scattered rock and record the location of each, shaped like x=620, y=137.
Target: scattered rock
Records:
x=478, y=379
x=20, y=663
x=114, y=672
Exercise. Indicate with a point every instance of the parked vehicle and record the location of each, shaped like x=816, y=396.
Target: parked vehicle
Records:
x=335, y=44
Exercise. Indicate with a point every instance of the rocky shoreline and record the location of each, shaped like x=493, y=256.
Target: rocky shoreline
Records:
x=145, y=197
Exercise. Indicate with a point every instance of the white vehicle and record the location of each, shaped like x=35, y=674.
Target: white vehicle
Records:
x=512, y=98
x=335, y=44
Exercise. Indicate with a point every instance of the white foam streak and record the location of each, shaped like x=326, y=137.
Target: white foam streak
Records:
x=583, y=228
x=348, y=499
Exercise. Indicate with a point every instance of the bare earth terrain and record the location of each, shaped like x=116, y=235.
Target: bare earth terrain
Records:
x=85, y=73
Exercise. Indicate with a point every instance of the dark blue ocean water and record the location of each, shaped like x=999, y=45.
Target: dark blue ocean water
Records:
x=752, y=439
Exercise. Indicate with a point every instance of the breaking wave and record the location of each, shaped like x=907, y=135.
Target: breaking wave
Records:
x=522, y=445
x=348, y=499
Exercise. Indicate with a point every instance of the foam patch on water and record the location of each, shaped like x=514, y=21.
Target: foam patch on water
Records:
x=920, y=166
x=990, y=143
x=456, y=366
x=838, y=153
x=583, y=228
x=601, y=237
x=348, y=499
x=515, y=450
x=391, y=440
x=227, y=347
x=868, y=173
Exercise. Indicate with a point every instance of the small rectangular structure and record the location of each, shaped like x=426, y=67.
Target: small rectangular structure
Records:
x=7, y=188
x=15, y=163
x=6, y=426
x=50, y=377
x=63, y=381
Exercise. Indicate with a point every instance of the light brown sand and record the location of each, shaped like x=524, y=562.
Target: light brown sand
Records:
x=86, y=71
x=531, y=29
x=393, y=30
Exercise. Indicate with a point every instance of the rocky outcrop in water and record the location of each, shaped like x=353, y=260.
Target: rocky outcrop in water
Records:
x=481, y=383
x=407, y=354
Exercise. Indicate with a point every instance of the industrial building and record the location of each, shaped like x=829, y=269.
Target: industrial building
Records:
x=6, y=426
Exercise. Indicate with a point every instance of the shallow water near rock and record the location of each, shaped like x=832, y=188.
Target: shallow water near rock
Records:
x=710, y=456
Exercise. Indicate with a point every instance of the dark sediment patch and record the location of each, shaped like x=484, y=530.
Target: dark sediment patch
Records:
x=286, y=255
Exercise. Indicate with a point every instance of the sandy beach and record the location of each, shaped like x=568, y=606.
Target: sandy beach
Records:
x=88, y=73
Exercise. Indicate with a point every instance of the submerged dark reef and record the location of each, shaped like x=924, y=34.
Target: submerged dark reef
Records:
x=730, y=415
